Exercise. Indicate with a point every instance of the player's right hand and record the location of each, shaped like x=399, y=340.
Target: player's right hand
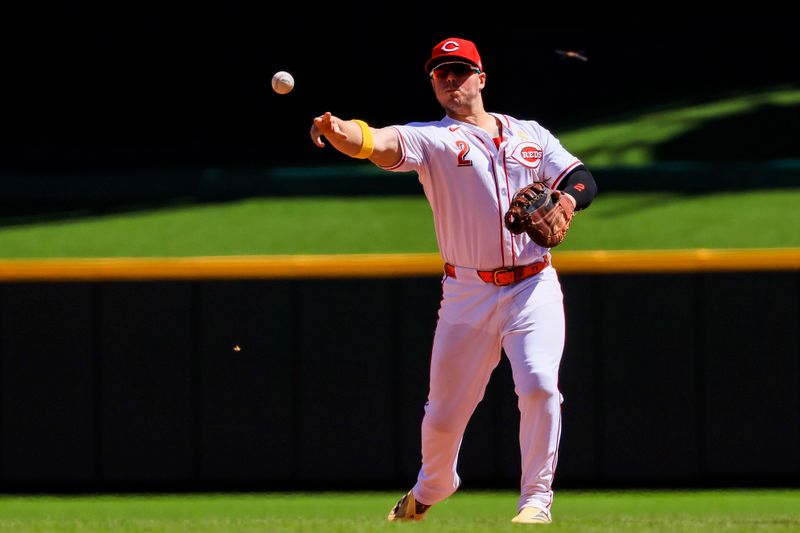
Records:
x=326, y=126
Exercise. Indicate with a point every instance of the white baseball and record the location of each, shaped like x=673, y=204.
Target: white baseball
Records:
x=282, y=82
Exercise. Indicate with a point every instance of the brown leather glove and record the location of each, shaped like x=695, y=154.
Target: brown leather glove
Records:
x=543, y=213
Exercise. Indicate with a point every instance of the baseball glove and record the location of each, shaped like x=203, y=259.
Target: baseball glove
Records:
x=543, y=213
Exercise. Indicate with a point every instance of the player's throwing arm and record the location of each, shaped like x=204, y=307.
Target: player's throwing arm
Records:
x=357, y=139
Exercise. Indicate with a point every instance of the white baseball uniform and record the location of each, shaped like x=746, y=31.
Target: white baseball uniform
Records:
x=469, y=181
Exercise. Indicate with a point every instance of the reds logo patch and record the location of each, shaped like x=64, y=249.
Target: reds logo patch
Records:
x=528, y=154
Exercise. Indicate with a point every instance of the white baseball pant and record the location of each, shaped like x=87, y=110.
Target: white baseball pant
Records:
x=476, y=320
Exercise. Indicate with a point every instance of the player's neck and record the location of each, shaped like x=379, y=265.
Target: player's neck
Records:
x=482, y=119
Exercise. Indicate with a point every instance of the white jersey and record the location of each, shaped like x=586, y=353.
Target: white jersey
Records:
x=469, y=182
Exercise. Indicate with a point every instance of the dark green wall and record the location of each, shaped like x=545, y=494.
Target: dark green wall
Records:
x=669, y=380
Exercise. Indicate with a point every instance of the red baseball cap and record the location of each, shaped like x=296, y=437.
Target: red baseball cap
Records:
x=452, y=49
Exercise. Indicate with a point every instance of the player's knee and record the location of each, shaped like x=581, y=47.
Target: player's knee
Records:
x=539, y=387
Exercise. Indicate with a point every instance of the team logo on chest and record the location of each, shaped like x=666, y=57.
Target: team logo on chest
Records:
x=528, y=154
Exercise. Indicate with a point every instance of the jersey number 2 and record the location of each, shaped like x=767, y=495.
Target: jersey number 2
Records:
x=463, y=150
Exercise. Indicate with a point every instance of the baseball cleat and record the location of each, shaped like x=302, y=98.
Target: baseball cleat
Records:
x=532, y=515
x=408, y=509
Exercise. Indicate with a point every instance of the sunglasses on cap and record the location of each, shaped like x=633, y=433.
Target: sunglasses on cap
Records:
x=457, y=68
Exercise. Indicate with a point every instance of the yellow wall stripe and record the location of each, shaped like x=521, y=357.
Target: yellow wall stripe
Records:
x=698, y=260
x=383, y=265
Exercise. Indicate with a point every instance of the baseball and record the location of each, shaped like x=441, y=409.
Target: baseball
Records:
x=282, y=82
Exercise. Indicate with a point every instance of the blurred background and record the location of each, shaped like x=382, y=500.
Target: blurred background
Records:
x=185, y=86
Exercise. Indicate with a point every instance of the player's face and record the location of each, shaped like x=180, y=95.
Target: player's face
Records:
x=457, y=86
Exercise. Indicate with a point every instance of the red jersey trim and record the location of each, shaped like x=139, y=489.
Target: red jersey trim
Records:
x=504, y=118
x=481, y=140
x=497, y=194
x=508, y=193
x=499, y=212
x=560, y=176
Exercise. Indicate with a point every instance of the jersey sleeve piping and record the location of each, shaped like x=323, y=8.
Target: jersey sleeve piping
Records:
x=565, y=171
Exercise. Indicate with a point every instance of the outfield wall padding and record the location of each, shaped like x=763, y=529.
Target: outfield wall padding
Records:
x=669, y=378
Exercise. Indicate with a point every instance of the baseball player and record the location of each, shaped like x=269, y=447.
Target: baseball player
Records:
x=500, y=290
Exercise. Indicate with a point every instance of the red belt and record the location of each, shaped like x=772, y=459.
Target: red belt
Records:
x=504, y=276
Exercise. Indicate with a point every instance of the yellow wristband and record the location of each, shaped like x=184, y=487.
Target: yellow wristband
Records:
x=367, y=143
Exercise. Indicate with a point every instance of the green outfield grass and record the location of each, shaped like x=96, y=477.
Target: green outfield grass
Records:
x=264, y=226
x=268, y=226
x=465, y=512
